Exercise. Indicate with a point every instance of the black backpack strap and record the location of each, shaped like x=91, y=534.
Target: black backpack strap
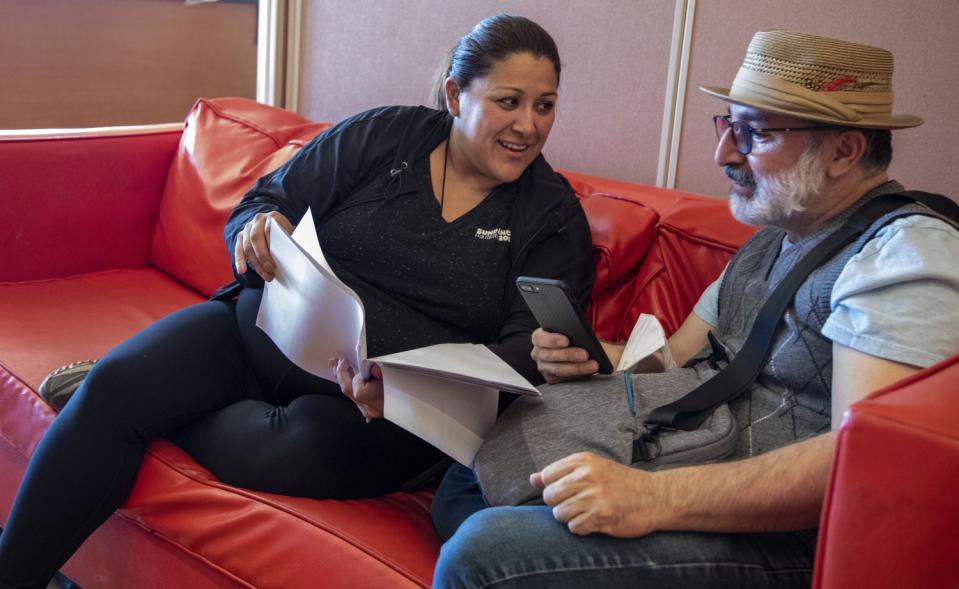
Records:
x=943, y=205
x=688, y=412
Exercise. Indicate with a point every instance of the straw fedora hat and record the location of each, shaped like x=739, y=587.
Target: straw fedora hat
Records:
x=817, y=79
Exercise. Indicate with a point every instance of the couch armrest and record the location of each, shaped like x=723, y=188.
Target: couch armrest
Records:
x=891, y=515
x=78, y=201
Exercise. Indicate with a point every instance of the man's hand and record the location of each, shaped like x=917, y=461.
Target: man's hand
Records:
x=367, y=394
x=592, y=494
x=252, y=246
x=557, y=361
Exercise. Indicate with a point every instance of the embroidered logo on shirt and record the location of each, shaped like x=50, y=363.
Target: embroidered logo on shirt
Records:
x=497, y=234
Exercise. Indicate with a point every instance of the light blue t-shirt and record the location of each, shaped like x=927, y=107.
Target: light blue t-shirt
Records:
x=896, y=299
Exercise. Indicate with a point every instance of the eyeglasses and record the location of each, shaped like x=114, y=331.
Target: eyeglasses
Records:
x=743, y=133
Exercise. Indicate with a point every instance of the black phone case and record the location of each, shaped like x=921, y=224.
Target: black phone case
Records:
x=554, y=309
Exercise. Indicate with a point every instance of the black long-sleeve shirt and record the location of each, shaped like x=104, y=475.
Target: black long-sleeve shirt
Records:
x=422, y=280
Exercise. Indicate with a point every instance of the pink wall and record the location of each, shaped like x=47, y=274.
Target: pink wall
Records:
x=923, y=37
x=367, y=53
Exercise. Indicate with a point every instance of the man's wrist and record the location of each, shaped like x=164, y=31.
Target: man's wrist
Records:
x=671, y=489
x=652, y=506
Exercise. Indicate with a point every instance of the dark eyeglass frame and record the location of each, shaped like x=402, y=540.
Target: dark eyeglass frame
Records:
x=743, y=133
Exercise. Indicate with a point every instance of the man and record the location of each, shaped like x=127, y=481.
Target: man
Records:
x=805, y=142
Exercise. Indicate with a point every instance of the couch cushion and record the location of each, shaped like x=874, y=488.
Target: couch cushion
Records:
x=49, y=323
x=667, y=249
x=271, y=540
x=622, y=232
x=227, y=144
x=694, y=241
x=81, y=201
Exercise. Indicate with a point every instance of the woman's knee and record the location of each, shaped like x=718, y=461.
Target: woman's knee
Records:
x=107, y=386
x=318, y=446
x=256, y=445
x=194, y=348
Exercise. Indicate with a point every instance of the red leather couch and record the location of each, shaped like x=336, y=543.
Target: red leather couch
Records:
x=891, y=517
x=105, y=231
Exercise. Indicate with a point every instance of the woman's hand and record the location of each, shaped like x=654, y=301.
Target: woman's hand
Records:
x=367, y=394
x=252, y=247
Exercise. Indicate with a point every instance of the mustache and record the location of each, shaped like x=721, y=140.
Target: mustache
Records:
x=742, y=176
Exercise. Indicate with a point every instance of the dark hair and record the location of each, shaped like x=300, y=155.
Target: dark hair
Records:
x=495, y=38
x=878, y=152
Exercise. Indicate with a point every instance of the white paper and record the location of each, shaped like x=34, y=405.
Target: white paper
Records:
x=469, y=363
x=305, y=235
x=308, y=312
x=646, y=338
x=453, y=416
x=447, y=394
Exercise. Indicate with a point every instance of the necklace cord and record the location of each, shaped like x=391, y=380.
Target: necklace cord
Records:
x=446, y=159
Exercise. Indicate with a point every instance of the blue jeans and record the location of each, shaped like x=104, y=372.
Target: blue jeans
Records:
x=525, y=547
x=458, y=497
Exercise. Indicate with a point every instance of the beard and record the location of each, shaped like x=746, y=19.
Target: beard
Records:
x=778, y=199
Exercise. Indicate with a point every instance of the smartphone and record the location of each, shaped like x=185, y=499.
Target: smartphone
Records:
x=556, y=311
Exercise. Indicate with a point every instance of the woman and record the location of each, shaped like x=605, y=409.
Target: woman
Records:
x=428, y=215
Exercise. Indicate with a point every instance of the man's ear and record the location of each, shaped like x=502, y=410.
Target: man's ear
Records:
x=452, y=90
x=848, y=150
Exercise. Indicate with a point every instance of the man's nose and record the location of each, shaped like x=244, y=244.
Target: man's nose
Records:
x=726, y=151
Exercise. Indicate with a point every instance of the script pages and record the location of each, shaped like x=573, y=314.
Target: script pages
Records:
x=646, y=338
x=447, y=394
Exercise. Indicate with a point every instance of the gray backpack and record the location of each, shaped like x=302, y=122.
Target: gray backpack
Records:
x=593, y=415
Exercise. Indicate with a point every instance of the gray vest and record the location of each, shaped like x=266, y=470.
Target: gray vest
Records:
x=791, y=399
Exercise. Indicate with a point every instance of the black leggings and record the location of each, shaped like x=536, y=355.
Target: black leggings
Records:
x=208, y=379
